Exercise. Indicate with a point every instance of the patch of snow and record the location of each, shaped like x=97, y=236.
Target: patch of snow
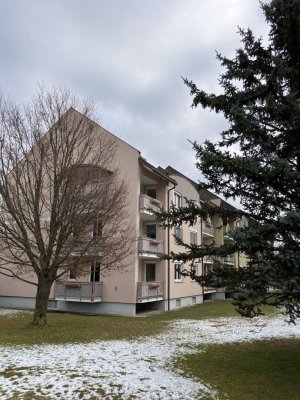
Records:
x=230, y=330
x=13, y=312
x=127, y=368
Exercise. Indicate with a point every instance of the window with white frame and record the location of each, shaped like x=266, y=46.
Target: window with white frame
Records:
x=177, y=272
x=178, y=232
x=193, y=236
x=177, y=200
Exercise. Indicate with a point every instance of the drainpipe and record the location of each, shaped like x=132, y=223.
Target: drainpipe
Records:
x=201, y=229
x=168, y=252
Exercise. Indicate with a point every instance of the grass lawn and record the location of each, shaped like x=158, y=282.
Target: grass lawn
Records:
x=259, y=370
x=70, y=328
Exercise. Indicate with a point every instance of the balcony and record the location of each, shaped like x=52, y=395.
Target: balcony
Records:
x=209, y=290
x=149, y=291
x=146, y=203
x=226, y=232
x=84, y=248
x=150, y=248
x=85, y=292
x=208, y=229
x=208, y=260
x=229, y=260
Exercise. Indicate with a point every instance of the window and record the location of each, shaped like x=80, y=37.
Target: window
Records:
x=72, y=273
x=95, y=272
x=97, y=229
x=193, y=237
x=150, y=231
x=177, y=200
x=177, y=272
x=151, y=192
x=178, y=232
x=194, y=271
x=150, y=272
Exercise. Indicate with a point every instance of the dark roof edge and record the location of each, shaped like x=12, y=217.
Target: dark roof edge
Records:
x=207, y=195
x=158, y=171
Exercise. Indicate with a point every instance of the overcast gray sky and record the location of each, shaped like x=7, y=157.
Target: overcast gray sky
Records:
x=129, y=56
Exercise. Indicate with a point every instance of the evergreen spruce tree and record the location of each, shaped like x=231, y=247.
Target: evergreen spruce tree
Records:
x=257, y=160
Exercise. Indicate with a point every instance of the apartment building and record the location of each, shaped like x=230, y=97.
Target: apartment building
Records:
x=212, y=230
x=148, y=281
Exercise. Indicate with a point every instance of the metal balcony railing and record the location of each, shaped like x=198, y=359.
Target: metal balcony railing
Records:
x=207, y=229
x=229, y=260
x=147, y=291
x=78, y=291
x=150, y=246
x=146, y=203
x=83, y=247
x=208, y=260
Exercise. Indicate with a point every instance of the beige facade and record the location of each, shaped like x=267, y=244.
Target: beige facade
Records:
x=147, y=281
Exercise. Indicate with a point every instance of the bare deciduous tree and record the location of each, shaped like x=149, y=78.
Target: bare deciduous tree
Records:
x=58, y=183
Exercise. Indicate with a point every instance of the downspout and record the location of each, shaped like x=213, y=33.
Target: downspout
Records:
x=201, y=229
x=168, y=252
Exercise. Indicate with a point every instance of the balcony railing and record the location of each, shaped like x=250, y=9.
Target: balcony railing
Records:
x=226, y=232
x=208, y=260
x=78, y=291
x=207, y=229
x=150, y=291
x=229, y=260
x=209, y=289
x=146, y=203
x=84, y=247
x=150, y=246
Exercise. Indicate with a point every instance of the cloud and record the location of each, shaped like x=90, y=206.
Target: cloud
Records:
x=129, y=56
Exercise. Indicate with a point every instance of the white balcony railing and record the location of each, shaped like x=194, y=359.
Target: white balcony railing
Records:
x=229, y=260
x=150, y=291
x=78, y=291
x=146, y=203
x=84, y=247
x=208, y=260
x=207, y=229
x=209, y=289
x=150, y=246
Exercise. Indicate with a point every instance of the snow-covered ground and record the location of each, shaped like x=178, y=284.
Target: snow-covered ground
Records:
x=12, y=312
x=135, y=369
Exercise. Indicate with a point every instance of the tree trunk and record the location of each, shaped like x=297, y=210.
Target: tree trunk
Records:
x=41, y=304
